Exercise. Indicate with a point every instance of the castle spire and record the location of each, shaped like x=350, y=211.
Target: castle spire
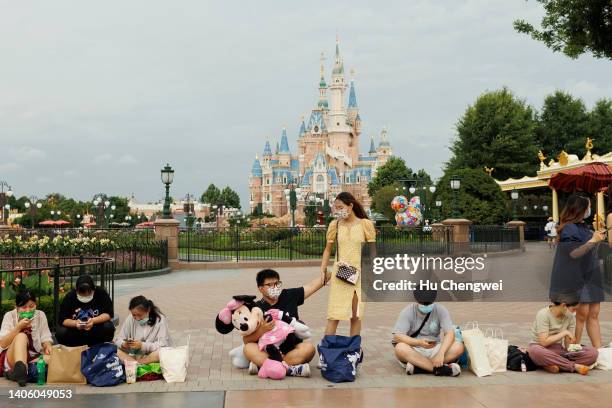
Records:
x=352, y=102
x=284, y=145
x=256, y=169
x=372, y=146
x=302, y=128
x=322, y=104
x=339, y=65
x=267, y=150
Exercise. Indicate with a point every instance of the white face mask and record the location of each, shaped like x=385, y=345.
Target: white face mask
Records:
x=587, y=213
x=85, y=299
x=274, y=292
x=341, y=214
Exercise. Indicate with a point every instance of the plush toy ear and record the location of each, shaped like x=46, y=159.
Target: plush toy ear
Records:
x=223, y=328
x=249, y=301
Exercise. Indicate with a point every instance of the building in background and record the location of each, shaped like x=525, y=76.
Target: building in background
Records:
x=327, y=160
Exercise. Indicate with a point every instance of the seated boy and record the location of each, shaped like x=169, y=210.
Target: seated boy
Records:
x=552, y=334
x=424, y=337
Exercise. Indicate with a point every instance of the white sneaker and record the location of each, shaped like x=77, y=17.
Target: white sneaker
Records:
x=300, y=370
x=253, y=369
x=407, y=366
x=319, y=362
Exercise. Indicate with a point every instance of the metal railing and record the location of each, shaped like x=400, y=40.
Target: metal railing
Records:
x=49, y=278
x=494, y=238
x=286, y=243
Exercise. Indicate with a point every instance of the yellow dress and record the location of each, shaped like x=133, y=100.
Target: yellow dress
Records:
x=350, y=238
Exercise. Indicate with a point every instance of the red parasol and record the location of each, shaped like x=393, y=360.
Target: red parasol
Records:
x=47, y=222
x=589, y=178
x=62, y=222
x=146, y=224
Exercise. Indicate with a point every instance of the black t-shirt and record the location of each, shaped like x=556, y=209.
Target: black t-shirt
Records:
x=288, y=302
x=101, y=303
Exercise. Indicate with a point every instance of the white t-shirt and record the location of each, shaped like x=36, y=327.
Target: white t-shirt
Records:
x=551, y=228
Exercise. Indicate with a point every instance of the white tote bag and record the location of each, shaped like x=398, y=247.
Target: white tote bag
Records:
x=497, y=349
x=174, y=362
x=604, y=359
x=474, y=341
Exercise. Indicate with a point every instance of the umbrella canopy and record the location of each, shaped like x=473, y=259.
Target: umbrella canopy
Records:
x=589, y=178
x=89, y=224
x=62, y=222
x=47, y=222
x=146, y=224
x=54, y=223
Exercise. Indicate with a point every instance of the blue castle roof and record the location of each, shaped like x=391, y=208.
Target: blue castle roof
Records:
x=284, y=144
x=256, y=169
x=267, y=150
x=352, y=102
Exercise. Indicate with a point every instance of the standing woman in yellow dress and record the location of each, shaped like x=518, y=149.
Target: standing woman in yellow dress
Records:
x=351, y=228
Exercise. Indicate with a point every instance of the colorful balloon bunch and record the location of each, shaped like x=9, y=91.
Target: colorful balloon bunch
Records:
x=407, y=213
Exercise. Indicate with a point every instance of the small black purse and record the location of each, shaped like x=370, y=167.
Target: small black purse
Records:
x=346, y=273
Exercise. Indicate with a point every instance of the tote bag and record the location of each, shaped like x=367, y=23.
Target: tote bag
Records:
x=604, y=358
x=497, y=349
x=174, y=362
x=340, y=357
x=474, y=341
x=101, y=366
x=65, y=365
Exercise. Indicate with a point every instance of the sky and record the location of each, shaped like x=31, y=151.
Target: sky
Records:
x=98, y=96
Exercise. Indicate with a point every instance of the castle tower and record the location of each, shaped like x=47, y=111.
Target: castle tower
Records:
x=384, y=151
x=352, y=110
x=284, y=155
x=337, y=90
x=322, y=104
x=255, y=186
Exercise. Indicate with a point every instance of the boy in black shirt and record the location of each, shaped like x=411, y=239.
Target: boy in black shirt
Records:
x=297, y=356
x=85, y=315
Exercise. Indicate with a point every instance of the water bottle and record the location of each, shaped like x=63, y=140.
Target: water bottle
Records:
x=41, y=366
x=523, y=366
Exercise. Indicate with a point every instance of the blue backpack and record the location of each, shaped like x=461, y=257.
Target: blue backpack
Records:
x=340, y=357
x=101, y=366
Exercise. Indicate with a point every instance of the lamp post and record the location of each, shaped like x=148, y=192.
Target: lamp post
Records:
x=167, y=177
x=4, y=196
x=438, y=208
x=514, y=195
x=33, y=205
x=455, y=185
x=291, y=194
x=7, y=207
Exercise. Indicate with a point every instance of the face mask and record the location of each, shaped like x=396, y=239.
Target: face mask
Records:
x=26, y=315
x=425, y=309
x=143, y=322
x=85, y=299
x=342, y=214
x=274, y=292
x=587, y=213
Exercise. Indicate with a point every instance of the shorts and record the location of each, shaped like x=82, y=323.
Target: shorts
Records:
x=425, y=352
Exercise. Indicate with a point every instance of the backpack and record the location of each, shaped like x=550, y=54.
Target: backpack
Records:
x=515, y=357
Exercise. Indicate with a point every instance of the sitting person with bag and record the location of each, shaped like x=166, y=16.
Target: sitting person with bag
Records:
x=143, y=333
x=553, y=340
x=85, y=315
x=424, y=337
x=24, y=336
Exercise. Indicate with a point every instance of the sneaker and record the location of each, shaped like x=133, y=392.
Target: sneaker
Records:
x=581, y=369
x=553, y=369
x=19, y=374
x=409, y=369
x=253, y=369
x=300, y=370
x=448, y=370
x=320, y=362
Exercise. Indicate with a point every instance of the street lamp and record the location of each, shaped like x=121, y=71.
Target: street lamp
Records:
x=545, y=208
x=291, y=194
x=455, y=185
x=4, y=196
x=514, y=195
x=167, y=177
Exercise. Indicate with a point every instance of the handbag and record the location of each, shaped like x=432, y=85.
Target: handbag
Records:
x=101, y=366
x=345, y=272
x=497, y=349
x=474, y=341
x=604, y=358
x=65, y=365
x=174, y=362
x=516, y=358
x=340, y=357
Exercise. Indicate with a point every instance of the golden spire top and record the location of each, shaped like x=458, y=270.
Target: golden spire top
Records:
x=489, y=170
x=541, y=156
x=352, y=71
x=589, y=144
x=322, y=59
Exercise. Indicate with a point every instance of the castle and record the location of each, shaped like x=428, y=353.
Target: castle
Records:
x=328, y=159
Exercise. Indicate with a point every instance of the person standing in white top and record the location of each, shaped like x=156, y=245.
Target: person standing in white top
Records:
x=551, y=232
x=143, y=333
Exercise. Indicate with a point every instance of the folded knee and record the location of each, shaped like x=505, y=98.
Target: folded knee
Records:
x=402, y=349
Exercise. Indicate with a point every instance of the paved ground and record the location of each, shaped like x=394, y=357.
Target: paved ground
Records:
x=191, y=300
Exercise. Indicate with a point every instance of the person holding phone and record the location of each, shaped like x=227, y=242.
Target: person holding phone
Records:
x=576, y=266
x=424, y=337
x=143, y=333
x=85, y=315
x=24, y=336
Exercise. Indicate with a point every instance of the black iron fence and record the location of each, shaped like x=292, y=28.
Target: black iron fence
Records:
x=50, y=278
x=286, y=243
x=494, y=238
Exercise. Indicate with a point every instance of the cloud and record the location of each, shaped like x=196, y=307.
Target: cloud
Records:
x=71, y=173
x=43, y=179
x=101, y=158
x=8, y=167
x=26, y=153
x=128, y=159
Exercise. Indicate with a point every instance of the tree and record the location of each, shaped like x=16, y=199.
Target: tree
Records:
x=600, y=126
x=497, y=131
x=574, y=27
x=563, y=124
x=395, y=169
x=229, y=198
x=382, y=200
x=211, y=195
x=479, y=199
